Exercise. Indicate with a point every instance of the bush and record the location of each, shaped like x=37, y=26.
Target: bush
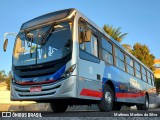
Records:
x=8, y=83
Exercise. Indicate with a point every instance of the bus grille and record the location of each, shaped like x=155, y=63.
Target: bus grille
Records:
x=24, y=91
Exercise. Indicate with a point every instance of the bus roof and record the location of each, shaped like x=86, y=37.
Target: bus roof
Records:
x=53, y=16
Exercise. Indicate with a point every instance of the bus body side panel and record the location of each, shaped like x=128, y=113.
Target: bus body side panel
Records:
x=127, y=87
x=125, y=91
x=151, y=90
x=141, y=88
x=136, y=90
x=90, y=74
x=90, y=87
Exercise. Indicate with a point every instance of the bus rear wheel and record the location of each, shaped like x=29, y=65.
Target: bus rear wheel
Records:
x=106, y=104
x=144, y=106
x=58, y=108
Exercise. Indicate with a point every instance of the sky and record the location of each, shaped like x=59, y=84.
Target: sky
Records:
x=139, y=18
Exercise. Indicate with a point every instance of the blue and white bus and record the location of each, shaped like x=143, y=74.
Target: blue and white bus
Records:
x=63, y=58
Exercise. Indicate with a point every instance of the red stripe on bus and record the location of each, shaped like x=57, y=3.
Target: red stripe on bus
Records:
x=129, y=95
x=92, y=93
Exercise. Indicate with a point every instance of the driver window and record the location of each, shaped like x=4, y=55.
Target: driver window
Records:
x=89, y=47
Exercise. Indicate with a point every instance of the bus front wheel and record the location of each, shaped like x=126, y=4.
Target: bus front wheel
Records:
x=106, y=104
x=58, y=108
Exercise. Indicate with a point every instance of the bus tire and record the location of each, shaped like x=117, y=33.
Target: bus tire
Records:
x=106, y=103
x=144, y=106
x=58, y=108
x=117, y=106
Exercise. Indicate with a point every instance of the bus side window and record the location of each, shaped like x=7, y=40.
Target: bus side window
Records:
x=90, y=47
x=144, y=76
x=94, y=45
x=107, y=49
x=129, y=62
x=137, y=69
x=152, y=79
x=119, y=59
x=148, y=75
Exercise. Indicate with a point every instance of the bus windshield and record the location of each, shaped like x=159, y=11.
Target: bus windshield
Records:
x=43, y=45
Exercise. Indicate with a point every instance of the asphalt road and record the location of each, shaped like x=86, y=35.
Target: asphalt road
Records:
x=76, y=113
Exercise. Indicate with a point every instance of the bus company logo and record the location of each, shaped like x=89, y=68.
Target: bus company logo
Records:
x=35, y=79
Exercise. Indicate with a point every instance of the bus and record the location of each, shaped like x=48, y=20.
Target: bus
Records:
x=63, y=58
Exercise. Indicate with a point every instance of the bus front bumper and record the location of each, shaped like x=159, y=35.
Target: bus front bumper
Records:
x=60, y=90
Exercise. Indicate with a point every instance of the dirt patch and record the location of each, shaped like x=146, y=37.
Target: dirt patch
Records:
x=25, y=107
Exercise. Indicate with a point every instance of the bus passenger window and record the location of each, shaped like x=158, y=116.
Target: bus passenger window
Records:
x=152, y=77
x=90, y=47
x=149, y=77
x=107, y=51
x=144, y=76
x=107, y=45
x=137, y=69
x=129, y=62
x=94, y=46
x=119, y=59
x=107, y=57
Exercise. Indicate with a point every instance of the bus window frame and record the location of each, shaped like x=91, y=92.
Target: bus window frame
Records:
x=130, y=65
x=136, y=62
x=118, y=57
x=92, y=58
x=102, y=48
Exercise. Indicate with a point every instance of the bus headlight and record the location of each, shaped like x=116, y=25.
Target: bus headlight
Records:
x=67, y=74
x=69, y=71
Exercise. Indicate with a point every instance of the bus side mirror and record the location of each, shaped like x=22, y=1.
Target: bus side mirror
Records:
x=5, y=45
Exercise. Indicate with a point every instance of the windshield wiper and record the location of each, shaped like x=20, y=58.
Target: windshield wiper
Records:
x=47, y=34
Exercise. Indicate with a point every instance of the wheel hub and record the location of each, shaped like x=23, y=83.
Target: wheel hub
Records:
x=108, y=97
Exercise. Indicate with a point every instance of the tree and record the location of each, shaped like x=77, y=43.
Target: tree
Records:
x=114, y=32
x=2, y=75
x=127, y=47
x=8, y=79
x=142, y=53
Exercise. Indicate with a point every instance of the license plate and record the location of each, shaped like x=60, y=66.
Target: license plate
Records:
x=36, y=89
